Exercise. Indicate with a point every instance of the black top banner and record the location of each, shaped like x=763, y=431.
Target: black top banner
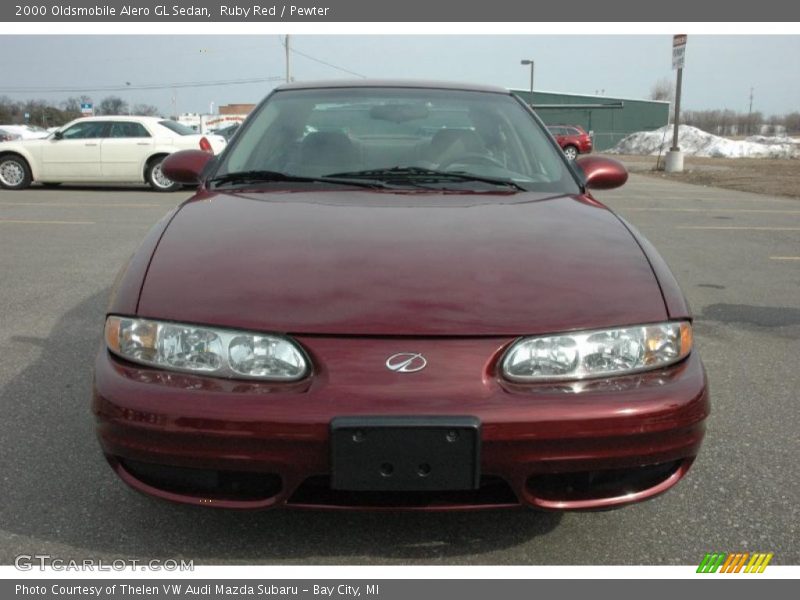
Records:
x=405, y=11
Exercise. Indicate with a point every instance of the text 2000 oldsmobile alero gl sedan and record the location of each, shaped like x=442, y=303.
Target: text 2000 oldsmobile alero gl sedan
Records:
x=397, y=295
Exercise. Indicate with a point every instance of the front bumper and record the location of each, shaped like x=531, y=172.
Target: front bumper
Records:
x=239, y=444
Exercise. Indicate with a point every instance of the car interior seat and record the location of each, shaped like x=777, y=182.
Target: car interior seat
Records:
x=326, y=152
x=448, y=144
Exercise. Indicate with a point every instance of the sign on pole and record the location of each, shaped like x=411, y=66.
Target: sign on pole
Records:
x=678, y=56
x=678, y=50
x=87, y=109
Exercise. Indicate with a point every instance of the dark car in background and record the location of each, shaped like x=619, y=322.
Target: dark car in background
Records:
x=7, y=136
x=228, y=131
x=573, y=139
x=397, y=295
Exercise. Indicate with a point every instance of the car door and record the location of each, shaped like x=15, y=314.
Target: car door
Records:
x=558, y=133
x=75, y=154
x=574, y=135
x=124, y=151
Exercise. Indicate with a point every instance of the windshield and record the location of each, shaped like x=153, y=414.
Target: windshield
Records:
x=399, y=134
x=178, y=128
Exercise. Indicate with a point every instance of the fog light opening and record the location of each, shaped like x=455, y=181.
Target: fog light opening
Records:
x=600, y=484
x=206, y=484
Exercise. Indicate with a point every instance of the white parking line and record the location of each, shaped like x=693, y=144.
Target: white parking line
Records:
x=81, y=204
x=29, y=222
x=784, y=257
x=731, y=210
x=734, y=228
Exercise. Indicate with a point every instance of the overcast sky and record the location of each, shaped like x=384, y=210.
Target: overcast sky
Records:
x=720, y=70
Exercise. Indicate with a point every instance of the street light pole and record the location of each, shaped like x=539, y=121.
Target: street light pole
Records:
x=528, y=61
x=288, y=64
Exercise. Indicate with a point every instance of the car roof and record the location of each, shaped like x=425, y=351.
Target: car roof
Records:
x=120, y=118
x=391, y=83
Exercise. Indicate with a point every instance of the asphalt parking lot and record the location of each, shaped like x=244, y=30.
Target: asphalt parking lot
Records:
x=737, y=256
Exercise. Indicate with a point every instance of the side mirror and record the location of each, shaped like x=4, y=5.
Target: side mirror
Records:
x=58, y=135
x=602, y=173
x=186, y=166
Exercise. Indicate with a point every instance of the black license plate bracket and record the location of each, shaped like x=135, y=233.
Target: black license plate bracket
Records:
x=405, y=453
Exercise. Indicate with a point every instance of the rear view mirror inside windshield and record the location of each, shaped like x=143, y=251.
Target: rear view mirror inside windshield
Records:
x=399, y=113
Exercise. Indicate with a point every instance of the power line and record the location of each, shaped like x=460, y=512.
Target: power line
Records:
x=327, y=64
x=322, y=62
x=164, y=86
x=144, y=86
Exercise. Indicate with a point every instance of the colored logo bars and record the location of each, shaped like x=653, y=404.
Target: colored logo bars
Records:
x=734, y=562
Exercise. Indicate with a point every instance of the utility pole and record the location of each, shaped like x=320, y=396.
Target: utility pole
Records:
x=288, y=64
x=750, y=113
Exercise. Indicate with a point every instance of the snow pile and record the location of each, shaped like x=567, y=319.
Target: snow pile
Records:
x=696, y=142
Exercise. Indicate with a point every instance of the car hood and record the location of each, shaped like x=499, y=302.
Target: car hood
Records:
x=22, y=142
x=371, y=263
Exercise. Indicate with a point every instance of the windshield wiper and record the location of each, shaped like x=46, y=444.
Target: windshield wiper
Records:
x=416, y=175
x=277, y=176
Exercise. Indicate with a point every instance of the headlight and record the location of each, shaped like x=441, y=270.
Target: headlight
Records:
x=206, y=350
x=597, y=353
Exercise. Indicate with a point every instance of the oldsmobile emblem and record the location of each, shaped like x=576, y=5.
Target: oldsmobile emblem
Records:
x=406, y=362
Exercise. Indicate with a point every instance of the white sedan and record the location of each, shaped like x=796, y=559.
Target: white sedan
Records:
x=101, y=150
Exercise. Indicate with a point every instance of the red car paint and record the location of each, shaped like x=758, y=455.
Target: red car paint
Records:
x=355, y=276
x=572, y=136
x=432, y=267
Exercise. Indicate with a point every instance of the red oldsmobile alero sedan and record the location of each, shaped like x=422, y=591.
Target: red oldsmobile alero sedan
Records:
x=397, y=295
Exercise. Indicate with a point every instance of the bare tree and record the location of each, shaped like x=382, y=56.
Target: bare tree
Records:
x=112, y=105
x=792, y=122
x=729, y=122
x=41, y=113
x=72, y=105
x=774, y=126
x=145, y=110
x=663, y=89
x=8, y=110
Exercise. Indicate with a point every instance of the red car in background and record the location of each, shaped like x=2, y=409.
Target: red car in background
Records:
x=573, y=139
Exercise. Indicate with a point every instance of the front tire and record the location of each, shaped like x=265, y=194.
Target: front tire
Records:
x=15, y=174
x=571, y=152
x=156, y=179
